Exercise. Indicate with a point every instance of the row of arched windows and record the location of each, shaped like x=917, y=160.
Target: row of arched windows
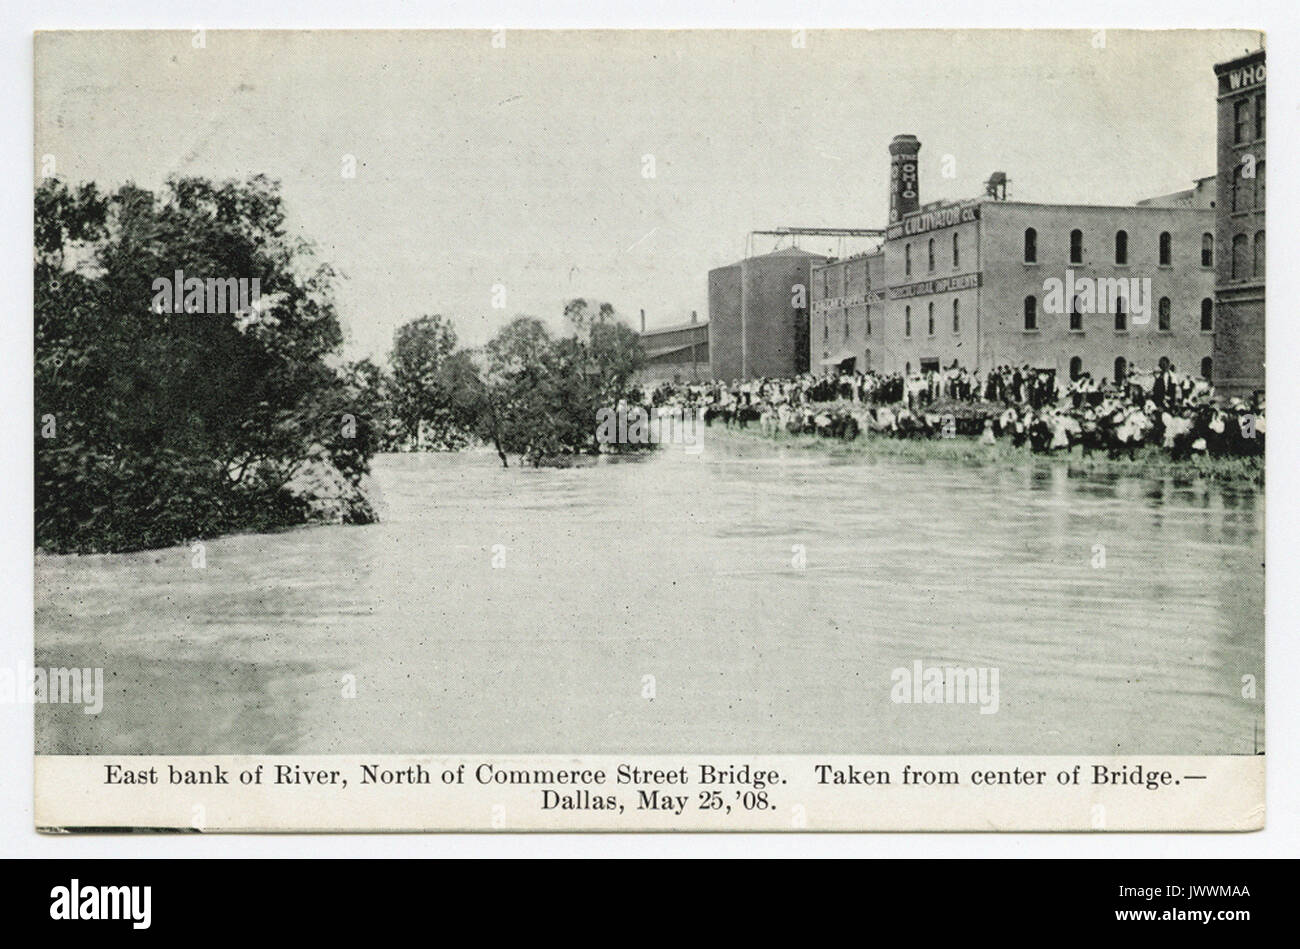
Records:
x=1248, y=256
x=930, y=254
x=1165, y=247
x=1248, y=187
x=930, y=318
x=1121, y=367
x=826, y=325
x=1164, y=315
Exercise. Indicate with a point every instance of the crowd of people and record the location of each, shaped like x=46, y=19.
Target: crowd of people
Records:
x=1029, y=406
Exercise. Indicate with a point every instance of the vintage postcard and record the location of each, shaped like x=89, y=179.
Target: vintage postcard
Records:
x=781, y=430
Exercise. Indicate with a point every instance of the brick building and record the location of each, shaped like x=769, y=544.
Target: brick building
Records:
x=1239, y=226
x=992, y=282
x=678, y=353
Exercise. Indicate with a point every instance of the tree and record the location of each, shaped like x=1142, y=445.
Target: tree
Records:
x=606, y=354
x=169, y=425
x=421, y=390
x=539, y=397
x=514, y=378
x=371, y=392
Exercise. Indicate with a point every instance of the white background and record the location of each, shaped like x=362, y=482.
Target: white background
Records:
x=1276, y=17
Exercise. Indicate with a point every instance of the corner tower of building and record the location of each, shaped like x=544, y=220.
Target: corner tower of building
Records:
x=1239, y=228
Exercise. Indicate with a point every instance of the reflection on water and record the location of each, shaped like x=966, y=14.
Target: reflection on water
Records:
x=682, y=568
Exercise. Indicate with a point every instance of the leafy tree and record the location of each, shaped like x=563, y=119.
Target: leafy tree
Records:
x=157, y=426
x=539, y=397
x=514, y=376
x=605, y=355
x=421, y=390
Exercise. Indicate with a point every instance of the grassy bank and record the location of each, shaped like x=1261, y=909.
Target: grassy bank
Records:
x=1148, y=461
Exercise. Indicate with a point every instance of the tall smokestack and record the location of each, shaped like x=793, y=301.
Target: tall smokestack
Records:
x=695, y=317
x=904, y=180
x=643, y=321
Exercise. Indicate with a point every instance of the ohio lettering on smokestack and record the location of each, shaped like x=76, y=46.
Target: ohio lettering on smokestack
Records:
x=904, y=181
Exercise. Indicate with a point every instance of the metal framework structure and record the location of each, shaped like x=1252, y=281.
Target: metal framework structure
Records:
x=796, y=232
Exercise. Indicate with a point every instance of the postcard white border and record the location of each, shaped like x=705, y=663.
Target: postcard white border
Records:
x=17, y=836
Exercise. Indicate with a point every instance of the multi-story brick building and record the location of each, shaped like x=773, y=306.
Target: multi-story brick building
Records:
x=993, y=282
x=1239, y=289
x=848, y=306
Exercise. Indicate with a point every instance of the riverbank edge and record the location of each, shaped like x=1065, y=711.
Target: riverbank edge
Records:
x=1148, y=461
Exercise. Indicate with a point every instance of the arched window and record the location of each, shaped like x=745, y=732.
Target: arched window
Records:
x=930, y=321
x=1121, y=316
x=956, y=315
x=1240, y=120
x=1207, y=368
x=1258, y=270
x=1165, y=318
x=1076, y=246
x=1076, y=315
x=1031, y=313
x=1207, y=315
x=1259, y=186
x=1166, y=249
x=1238, y=188
x=1031, y=246
x=956, y=250
x=907, y=321
x=1207, y=250
x=1240, y=265
x=932, y=254
x=1076, y=367
x=1121, y=247
x=907, y=260
x=1121, y=370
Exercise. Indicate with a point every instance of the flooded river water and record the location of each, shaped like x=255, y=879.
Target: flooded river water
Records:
x=747, y=599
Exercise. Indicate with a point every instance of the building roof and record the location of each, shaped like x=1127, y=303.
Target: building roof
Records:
x=681, y=348
x=1137, y=206
x=674, y=328
x=1200, y=195
x=789, y=252
x=1221, y=68
x=782, y=252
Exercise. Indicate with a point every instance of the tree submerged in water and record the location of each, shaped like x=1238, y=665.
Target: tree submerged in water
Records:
x=539, y=397
x=160, y=424
x=526, y=393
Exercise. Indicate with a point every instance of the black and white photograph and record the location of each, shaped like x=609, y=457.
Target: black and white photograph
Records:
x=649, y=429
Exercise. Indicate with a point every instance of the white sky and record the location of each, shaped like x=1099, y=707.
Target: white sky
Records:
x=522, y=166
